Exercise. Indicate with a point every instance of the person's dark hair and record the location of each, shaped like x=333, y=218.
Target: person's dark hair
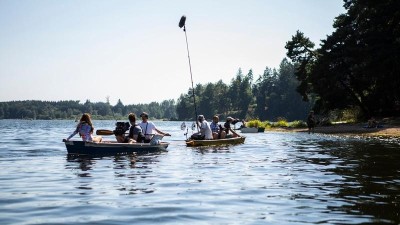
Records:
x=132, y=117
x=144, y=114
x=234, y=121
x=86, y=118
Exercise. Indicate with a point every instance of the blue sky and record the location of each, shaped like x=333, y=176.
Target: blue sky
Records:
x=134, y=50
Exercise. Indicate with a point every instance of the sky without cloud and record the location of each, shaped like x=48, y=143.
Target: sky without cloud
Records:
x=135, y=51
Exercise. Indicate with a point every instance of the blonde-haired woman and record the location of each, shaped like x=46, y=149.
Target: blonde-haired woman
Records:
x=85, y=129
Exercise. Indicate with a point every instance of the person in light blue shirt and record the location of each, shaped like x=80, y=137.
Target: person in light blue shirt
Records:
x=216, y=128
x=85, y=129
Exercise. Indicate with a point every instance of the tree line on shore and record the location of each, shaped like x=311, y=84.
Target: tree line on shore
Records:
x=48, y=110
x=270, y=97
x=241, y=99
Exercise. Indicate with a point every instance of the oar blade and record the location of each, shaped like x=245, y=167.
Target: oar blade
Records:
x=104, y=132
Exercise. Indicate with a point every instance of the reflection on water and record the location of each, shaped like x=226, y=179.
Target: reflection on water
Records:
x=371, y=180
x=368, y=181
x=274, y=178
x=132, y=167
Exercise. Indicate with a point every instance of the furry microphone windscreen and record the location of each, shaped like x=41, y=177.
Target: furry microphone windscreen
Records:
x=182, y=21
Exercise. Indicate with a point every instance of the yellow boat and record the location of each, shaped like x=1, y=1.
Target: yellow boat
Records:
x=216, y=142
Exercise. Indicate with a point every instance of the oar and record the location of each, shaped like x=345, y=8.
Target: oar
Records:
x=236, y=133
x=104, y=132
x=232, y=130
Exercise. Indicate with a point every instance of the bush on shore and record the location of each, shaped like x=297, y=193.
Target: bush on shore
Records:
x=281, y=123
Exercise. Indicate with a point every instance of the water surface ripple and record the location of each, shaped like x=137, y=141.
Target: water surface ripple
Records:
x=274, y=178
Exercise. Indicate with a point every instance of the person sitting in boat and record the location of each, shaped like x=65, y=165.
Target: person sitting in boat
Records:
x=120, y=129
x=230, y=133
x=135, y=132
x=205, y=132
x=148, y=128
x=216, y=128
x=243, y=124
x=85, y=129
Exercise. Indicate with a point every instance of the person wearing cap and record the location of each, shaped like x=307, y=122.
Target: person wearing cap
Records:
x=227, y=128
x=205, y=129
x=148, y=128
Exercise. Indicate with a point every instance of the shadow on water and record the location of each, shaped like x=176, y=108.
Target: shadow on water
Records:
x=132, y=168
x=85, y=162
x=372, y=181
x=368, y=177
x=212, y=149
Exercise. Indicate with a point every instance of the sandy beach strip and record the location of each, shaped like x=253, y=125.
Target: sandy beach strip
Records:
x=348, y=129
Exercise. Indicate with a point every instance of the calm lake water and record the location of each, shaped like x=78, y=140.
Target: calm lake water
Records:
x=274, y=178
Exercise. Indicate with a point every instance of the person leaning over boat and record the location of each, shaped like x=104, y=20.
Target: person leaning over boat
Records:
x=216, y=128
x=205, y=130
x=243, y=124
x=135, y=132
x=227, y=129
x=148, y=128
x=85, y=129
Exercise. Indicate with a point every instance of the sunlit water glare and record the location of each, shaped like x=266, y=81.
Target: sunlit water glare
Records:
x=274, y=178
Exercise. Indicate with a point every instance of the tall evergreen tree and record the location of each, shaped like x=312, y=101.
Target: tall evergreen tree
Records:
x=262, y=90
x=357, y=65
x=246, y=95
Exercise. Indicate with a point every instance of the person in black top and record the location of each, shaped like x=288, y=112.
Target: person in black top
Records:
x=135, y=132
x=229, y=132
x=311, y=122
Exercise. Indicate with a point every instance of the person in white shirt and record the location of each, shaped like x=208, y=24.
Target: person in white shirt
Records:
x=148, y=128
x=205, y=129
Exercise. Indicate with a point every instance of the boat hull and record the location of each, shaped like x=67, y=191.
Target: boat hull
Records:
x=252, y=129
x=217, y=142
x=112, y=148
x=249, y=130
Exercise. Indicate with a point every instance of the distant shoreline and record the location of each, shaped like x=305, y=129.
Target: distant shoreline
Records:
x=348, y=129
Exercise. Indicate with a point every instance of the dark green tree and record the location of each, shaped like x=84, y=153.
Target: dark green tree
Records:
x=119, y=108
x=357, y=65
x=206, y=101
x=262, y=90
x=246, y=95
x=301, y=52
x=88, y=107
x=185, y=107
x=169, y=109
x=103, y=109
x=289, y=104
x=221, y=101
x=234, y=91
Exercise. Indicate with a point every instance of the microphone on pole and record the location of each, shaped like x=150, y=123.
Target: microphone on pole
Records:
x=182, y=21
x=182, y=24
